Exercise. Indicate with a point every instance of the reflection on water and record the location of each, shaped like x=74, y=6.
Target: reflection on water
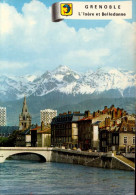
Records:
x=27, y=177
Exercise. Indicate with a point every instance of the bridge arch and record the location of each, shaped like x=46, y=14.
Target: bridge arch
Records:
x=43, y=153
x=27, y=156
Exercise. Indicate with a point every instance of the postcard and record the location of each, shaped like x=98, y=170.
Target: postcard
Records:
x=67, y=96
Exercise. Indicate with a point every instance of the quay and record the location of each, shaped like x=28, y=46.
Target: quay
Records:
x=94, y=159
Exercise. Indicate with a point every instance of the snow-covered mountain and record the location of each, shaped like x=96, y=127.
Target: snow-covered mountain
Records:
x=65, y=80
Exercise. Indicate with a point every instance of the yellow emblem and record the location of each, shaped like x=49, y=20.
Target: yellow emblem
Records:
x=66, y=9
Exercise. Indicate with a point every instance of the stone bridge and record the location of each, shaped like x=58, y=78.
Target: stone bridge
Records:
x=44, y=153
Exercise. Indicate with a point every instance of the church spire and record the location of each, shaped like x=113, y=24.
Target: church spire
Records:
x=25, y=100
x=24, y=109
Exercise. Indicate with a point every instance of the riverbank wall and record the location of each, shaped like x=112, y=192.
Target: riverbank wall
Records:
x=92, y=159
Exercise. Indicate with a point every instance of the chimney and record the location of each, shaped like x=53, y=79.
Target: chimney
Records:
x=112, y=106
x=118, y=112
x=87, y=113
x=42, y=125
x=94, y=114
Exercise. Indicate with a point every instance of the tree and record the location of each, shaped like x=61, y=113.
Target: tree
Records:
x=9, y=141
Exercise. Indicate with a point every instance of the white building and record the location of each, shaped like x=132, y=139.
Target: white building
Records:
x=47, y=115
x=2, y=116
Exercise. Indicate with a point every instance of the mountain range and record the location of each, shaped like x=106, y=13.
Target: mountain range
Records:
x=66, y=81
x=64, y=89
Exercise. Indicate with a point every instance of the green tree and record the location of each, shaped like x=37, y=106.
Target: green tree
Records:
x=9, y=141
x=3, y=141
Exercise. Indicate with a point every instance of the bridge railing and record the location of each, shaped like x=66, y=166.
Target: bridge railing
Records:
x=26, y=148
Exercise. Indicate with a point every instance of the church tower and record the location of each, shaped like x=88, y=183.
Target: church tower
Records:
x=24, y=117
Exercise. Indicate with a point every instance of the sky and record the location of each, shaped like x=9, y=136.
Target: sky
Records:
x=30, y=43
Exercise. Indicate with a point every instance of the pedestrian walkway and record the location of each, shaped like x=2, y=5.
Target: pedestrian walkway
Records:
x=125, y=161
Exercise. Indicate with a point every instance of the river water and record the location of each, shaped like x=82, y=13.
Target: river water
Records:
x=31, y=177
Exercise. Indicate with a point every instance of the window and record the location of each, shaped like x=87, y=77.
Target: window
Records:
x=103, y=135
x=124, y=128
x=133, y=139
x=125, y=140
x=117, y=139
x=113, y=139
x=103, y=143
x=133, y=128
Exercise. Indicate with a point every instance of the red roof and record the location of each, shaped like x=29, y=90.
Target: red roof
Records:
x=105, y=111
x=38, y=127
x=115, y=109
x=86, y=119
x=46, y=131
x=111, y=109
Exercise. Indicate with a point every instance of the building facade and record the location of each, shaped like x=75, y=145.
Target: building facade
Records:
x=127, y=135
x=64, y=129
x=93, y=129
x=41, y=136
x=47, y=115
x=24, y=117
x=23, y=138
x=118, y=135
x=88, y=129
x=2, y=116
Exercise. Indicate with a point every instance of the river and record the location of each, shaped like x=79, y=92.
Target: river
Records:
x=31, y=177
